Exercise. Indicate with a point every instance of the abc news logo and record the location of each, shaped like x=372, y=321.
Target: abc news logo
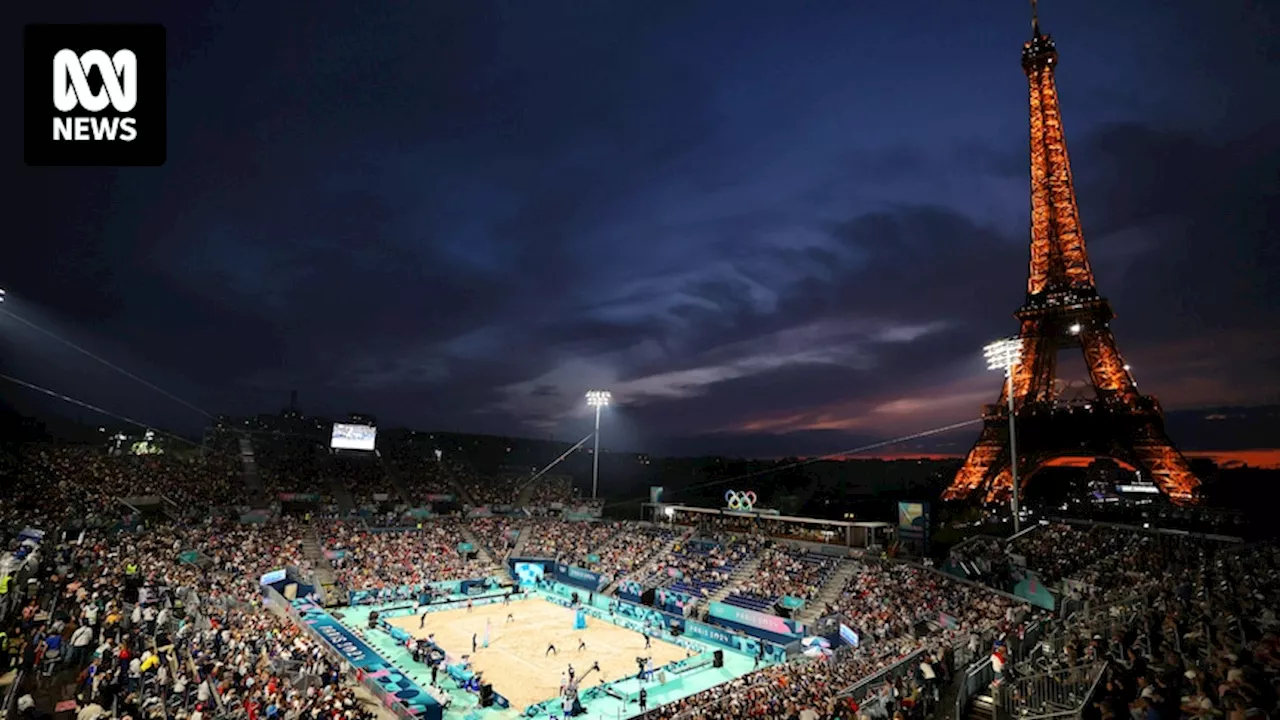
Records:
x=107, y=105
x=71, y=90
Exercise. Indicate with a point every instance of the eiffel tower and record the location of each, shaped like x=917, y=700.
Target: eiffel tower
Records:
x=1064, y=310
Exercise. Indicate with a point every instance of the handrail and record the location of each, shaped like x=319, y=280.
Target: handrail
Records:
x=881, y=675
x=1015, y=536
x=11, y=697
x=949, y=576
x=1020, y=696
x=1084, y=700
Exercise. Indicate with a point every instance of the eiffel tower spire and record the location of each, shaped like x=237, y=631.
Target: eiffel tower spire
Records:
x=1064, y=310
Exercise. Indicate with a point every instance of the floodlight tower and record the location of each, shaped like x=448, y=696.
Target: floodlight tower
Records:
x=597, y=399
x=1005, y=355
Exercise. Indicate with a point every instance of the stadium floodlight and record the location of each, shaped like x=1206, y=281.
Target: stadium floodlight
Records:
x=1, y=295
x=1005, y=355
x=597, y=399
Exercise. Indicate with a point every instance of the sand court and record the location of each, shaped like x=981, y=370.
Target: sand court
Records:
x=516, y=662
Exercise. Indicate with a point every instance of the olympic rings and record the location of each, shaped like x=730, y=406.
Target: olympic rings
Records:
x=740, y=500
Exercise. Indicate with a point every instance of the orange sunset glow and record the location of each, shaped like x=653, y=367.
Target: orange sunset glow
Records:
x=1264, y=458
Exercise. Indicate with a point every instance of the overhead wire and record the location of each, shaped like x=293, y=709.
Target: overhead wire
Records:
x=809, y=461
x=107, y=363
x=89, y=406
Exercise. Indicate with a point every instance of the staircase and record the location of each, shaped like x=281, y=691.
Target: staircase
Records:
x=982, y=707
x=394, y=477
x=828, y=593
x=249, y=471
x=526, y=530
x=341, y=497
x=460, y=491
x=739, y=574
x=482, y=553
x=313, y=551
x=653, y=574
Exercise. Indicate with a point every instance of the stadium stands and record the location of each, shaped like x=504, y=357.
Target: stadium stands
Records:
x=161, y=615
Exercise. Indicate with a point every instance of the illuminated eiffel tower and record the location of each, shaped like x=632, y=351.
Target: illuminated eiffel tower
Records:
x=1064, y=310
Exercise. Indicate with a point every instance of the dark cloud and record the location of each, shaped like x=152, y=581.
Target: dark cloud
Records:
x=742, y=218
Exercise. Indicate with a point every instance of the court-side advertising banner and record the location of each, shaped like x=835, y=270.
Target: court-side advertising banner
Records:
x=354, y=650
x=576, y=576
x=753, y=619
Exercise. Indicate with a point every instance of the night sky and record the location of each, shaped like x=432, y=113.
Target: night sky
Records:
x=740, y=217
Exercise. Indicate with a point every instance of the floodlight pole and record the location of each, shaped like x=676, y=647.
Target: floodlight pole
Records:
x=1013, y=452
x=1005, y=355
x=595, y=457
x=597, y=399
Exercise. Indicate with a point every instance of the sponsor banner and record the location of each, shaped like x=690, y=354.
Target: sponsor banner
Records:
x=593, y=559
x=351, y=648
x=381, y=497
x=32, y=534
x=578, y=577
x=273, y=577
x=745, y=644
x=419, y=513
x=848, y=635
x=791, y=603
x=672, y=601
x=190, y=557
x=386, y=681
x=405, y=592
x=439, y=498
x=630, y=589
x=767, y=622
x=579, y=516
x=299, y=497
x=1030, y=588
x=465, y=548
x=479, y=512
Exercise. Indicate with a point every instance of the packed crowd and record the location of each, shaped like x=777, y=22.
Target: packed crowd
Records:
x=290, y=464
x=549, y=490
x=363, y=477
x=182, y=480
x=166, y=621
x=786, y=571
x=1106, y=563
x=1202, y=644
x=570, y=541
x=498, y=534
x=365, y=559
x=901, y=612
x=703, y=566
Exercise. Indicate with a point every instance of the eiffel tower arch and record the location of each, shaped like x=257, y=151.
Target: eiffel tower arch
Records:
x=1063, y=310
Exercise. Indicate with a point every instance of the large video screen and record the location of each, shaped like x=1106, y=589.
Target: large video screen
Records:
x=353, y=437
